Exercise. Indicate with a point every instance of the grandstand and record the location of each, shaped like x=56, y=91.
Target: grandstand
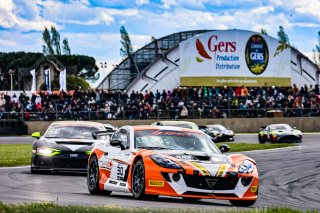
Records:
x=212, y=58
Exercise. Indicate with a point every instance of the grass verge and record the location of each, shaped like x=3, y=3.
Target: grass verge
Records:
x=52, y=208
x=15, y=154
x=20, y=154
x=240, y=147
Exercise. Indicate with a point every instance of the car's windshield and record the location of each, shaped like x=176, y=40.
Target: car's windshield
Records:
x=282, y=127
x=217, y=128
x=174, y=140
x=71, y=131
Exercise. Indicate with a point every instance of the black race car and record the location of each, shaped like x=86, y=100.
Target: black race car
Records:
x=276, y=133
x=66, y=145
x=219, y=132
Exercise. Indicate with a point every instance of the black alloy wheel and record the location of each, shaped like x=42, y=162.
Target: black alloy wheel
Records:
x=138, y=180
x=93, y=178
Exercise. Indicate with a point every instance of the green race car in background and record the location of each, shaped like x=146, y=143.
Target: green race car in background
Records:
x=276, y=133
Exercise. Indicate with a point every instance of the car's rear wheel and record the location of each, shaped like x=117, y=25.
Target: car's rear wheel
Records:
x=242, y=203
x=93, y=178
x=138, y=180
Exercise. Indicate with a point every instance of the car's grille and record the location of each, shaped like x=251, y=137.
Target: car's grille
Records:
x=71, y=163
x=210, y=183
x=289, y=138
x=68, y=159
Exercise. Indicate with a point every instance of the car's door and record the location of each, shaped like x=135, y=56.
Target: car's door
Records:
x=120, y=155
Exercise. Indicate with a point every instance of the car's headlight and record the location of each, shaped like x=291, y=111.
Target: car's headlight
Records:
x=165, y=162
x=46, y=151
x=246, y=167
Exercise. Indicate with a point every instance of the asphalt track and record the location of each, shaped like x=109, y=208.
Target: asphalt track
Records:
x=288, y=177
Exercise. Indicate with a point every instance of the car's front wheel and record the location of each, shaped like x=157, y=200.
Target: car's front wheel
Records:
x=138, y=180
x=242, y=203
x=93, y=178
x=261, y=139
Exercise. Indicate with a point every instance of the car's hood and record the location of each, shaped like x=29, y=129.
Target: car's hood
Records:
x=182, y=155
x=286, y=132
x=65, y=144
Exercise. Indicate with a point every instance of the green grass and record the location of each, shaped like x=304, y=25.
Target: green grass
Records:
x=240, y=147
x=52, y=208
x=15, y=154
x=20, y=154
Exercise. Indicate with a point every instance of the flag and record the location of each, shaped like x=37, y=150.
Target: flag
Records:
x=63, y=80
x=33, y=86
x=48, y=80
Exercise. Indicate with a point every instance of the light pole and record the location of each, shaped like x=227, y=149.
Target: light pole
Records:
x=11, y=72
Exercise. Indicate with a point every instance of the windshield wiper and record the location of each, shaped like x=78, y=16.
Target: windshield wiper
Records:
x=152, y=147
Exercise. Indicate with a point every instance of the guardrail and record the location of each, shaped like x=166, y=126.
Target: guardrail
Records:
x=158, y=114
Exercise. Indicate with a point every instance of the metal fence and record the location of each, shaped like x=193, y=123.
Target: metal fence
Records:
x=159, y=114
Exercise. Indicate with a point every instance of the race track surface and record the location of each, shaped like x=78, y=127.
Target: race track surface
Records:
x=288, y=177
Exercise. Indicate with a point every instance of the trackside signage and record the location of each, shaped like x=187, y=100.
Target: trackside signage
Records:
x=233, y=57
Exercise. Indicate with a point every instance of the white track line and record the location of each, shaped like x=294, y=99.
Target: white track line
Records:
x=274, y=149
x=15, y=167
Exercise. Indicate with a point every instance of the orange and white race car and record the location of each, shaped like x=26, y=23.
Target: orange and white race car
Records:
x=149, y=161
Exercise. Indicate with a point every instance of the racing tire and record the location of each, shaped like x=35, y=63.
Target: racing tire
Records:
x=93, y=178
x=138, y=181
x=242, y=203
x=260, y=139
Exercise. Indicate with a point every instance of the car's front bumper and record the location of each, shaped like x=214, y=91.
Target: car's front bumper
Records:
x=190, y=183
x=60, y=162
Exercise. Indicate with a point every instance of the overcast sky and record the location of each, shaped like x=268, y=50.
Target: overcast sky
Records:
x=92, y=26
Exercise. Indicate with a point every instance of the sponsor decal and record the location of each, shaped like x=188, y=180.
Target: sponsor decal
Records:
x=218, y=48
x=254, y=189
x=221, y=170
x=257, y=54
x=201, y=168
x=156, y=183
x=172, y=133
x=73, y=155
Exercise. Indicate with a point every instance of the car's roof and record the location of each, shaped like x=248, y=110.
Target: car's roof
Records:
x=192, y=124
x=175, y=122
x=77, y=123
x=271, y=125
x=172, y=128
x=215, y=125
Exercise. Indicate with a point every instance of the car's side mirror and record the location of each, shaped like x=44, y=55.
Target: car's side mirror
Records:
x=116, y=142
x=224, y=148
x=262, y=128
x=36, y=135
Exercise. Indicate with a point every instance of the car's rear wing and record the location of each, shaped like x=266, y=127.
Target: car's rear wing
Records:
x=106, y=132
x=202, y=127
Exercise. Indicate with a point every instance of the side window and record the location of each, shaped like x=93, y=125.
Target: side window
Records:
x=121, y=135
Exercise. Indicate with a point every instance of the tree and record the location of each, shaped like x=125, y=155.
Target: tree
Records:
x=283, y=41
x=126, y=48
x=47, y=47
x=316, y=52
x=283, y=37
x=264, y=31
x=56, y=40
x=52, y=44
x=73, y=82
x=65, y=47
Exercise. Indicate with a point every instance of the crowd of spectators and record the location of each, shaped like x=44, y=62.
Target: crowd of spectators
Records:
x=200, y=102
